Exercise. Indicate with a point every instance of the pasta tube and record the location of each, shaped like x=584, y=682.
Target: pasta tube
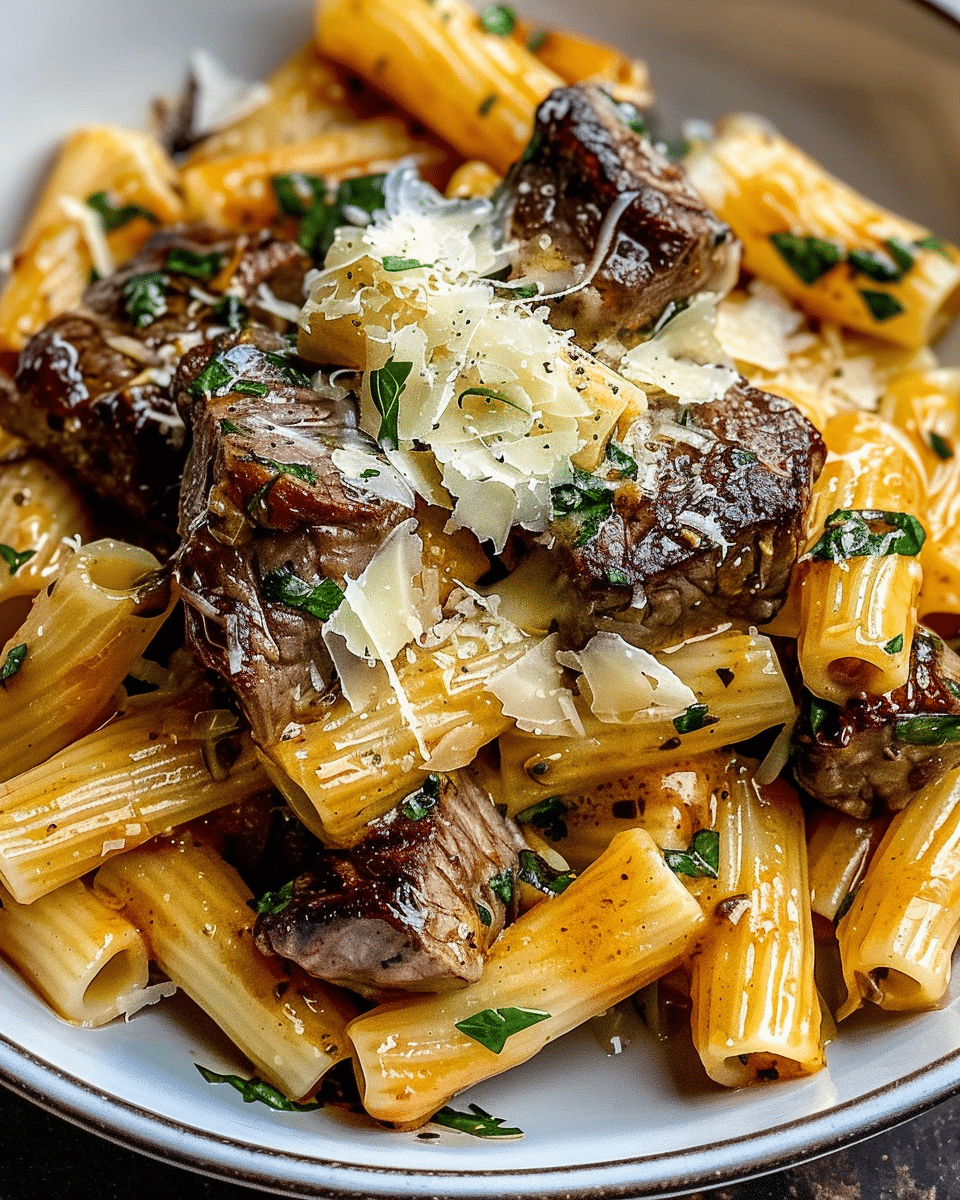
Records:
x=578, y=59
x=38, y=510
x=478, y=90
x=926, y=406
x=839, y=847
x=756, y=1014
x=898, y=936
x=235, y=193
x=841, y=257
x=77, y=644
x=748, y=695
x=859, y=586
x=161, y=763
x=626, y=920
x=348, y=768
x=84, y=959
x=109, y=190
x=192, y=909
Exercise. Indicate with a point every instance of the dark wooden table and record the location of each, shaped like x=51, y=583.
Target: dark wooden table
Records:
x=44, y=1158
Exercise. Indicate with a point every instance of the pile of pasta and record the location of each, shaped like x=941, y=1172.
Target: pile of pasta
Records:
x=682, y=860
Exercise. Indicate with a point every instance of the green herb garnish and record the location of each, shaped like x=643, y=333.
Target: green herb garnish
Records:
x=539, y=874
x=273, y=902
x=476, y=1122
x=895, y=645
x=197, y=266
x=498, y=19
x=485, y=915
x=486, y=104
x=301, y=471
x=489, y=394
x=227, y=426
x=297, y=193
x=933, y=243
x=888, y=266
x=882, y=305
x=12, y=663
x=927, y=729
x=537, y=39
x=112, y=217
x=701, y=858
x=694, y=718
x=15, y=558
x=422, y=802
x=258, y=1090
x=502, y=886
x=546, y=815
x=819, y=711
x=393, y=262
x=940, y=446
x=588, y=499
x=386, y=387
x=847, y=534
x=807, y=257
x=231, y=311
x=492, y=1026
x=145, y=298
x=631, y=116
x=320, y=600
x=625, y=466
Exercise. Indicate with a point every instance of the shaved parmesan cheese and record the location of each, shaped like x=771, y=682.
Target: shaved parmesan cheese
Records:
x=372, y=474
x=221, y=97
x=131, y=1002
x=761, y=327
x=91, y=230
x=532, y=691
x=626, y=684
x=684, y=358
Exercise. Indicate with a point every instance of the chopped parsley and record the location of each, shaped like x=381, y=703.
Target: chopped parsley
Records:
x=537, y=40
x=320, y=600
x=12, y=663
x=928, y=729
x=848, y=534
x=112, y=217
x=882, y=305
x=492, y=1026
x=547, y=816
x=539, y=874
x=820, y=710
x=227, y=426
x=301, y=471
x=145, y=297
x=476, y=1122
x=486, y=104
x=15, y=558
x=940, y=446
x=524, y=291
x=393, y=262
x=485, y=915
x=953, y=688
x=694, y=718
x=422, y=802
x=305, y=197
x=258, y=1090
x=273, y=902
x=632, y=117
x=386, y=387
x=502, y=886
x=586, y=498
x=742, y=458
x=883, y=266
x=807, y=257
x=895, y=645
x=488, y=394
x=223, y=374
x=932, y=243
x=625, y=466
x=296, y=193
x=197, y=266
x=498, y=19
x=701, y=858
x=251, y=387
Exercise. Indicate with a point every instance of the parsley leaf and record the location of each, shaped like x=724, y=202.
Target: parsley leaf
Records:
x=807, y=257
x=537, y=40
x=539, y=874
x=940, y=446
x=932, y=243
x=485, y=915
x=492, y=1026
x=273, y=902
x=632, y=117
x=421, y=802
x=320, y=600
x=489, y=394
x=546, y=815
x=476, y=1122
x=701, y=858
x=883, y=267
x=231, y=311
x=386, y=387
x=301, y=471
x=12, y=663
x=927, y=729
x=502, y=885
x=847, y=534
x=486, y=104
x=15, y=558
x=296, y=193
x=112, y=217
x=819, y=711
x=197, y=266
x=498, y=19
x=393, y=262
x=695, y=717
x=882, y=305
x=895, y=645
x=587, y=498
x=257, y=1089
x=305, y=196
x=227, y=426
x=145, y=297
x=625, y=466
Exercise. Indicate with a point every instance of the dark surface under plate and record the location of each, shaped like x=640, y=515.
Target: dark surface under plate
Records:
x=43, y=1157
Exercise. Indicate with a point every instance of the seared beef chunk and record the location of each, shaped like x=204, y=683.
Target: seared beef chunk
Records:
x=589, y=187
x=415, y=905
x=705, y=527
x=875, y=752
x=94, y=385
x=270, y=523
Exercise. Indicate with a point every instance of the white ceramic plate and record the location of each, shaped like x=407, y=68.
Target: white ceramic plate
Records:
x=872, y=88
